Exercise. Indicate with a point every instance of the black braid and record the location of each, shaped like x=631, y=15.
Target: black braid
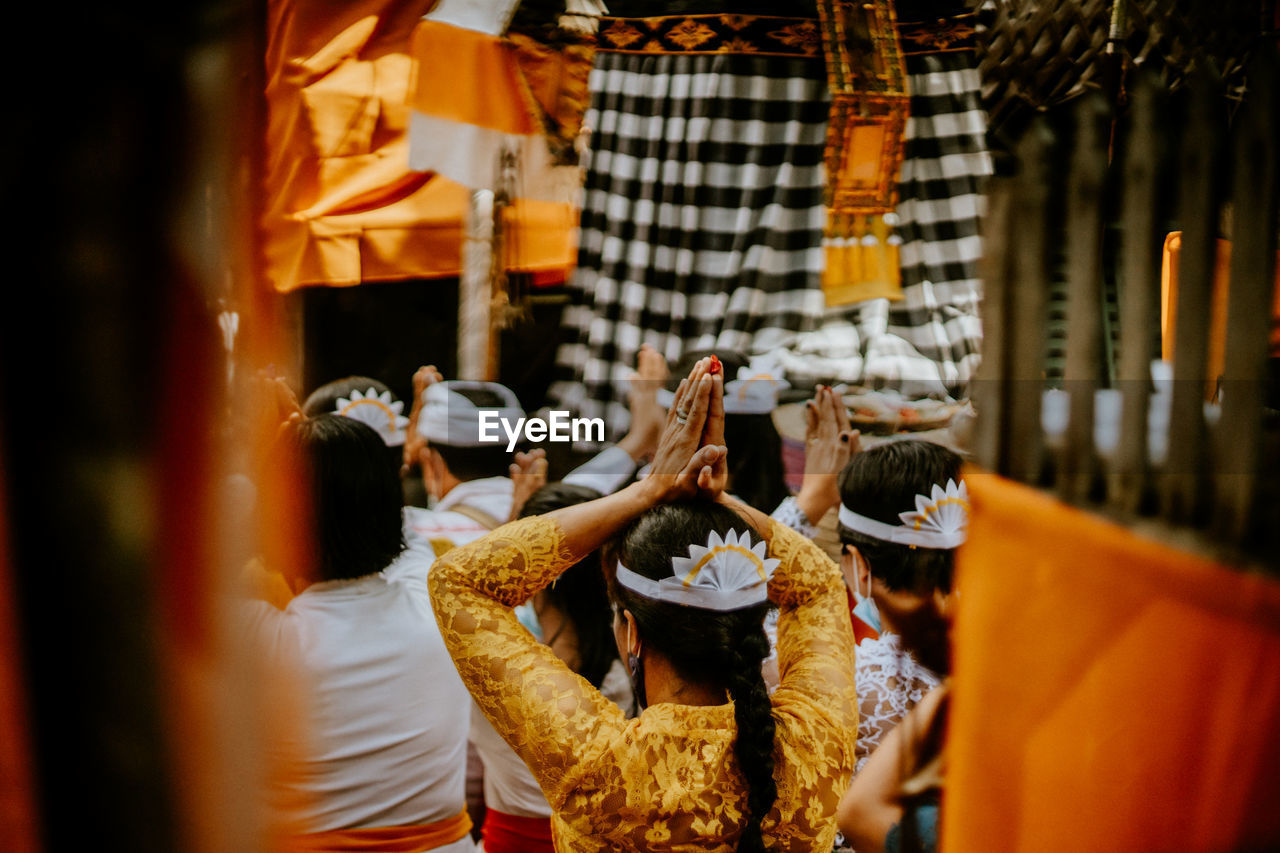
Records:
x=754, y=746
x=721, y=648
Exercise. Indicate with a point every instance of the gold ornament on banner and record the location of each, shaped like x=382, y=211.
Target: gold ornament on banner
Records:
x=865, y=138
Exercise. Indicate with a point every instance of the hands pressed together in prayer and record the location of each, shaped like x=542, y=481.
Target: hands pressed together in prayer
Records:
x=647, y=417
x=691, y=459
x=528, y=473
x=829, y=442
x=424, y=377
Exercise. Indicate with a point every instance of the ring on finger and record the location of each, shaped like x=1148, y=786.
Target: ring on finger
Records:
x=682, y=416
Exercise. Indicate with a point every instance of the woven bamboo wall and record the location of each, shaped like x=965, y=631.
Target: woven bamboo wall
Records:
x=1036, y=54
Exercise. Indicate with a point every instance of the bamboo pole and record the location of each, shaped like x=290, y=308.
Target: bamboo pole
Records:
x=474, y=289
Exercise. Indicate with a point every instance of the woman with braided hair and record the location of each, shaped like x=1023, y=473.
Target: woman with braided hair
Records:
x=712, y=762
x=709, y=651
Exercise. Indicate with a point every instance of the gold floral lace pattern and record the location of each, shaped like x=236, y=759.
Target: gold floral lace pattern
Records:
x=667, y=780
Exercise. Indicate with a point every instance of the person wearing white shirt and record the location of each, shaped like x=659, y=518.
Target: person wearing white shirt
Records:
x=377, y=747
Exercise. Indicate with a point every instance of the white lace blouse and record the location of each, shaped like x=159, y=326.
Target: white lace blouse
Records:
x=890, y=683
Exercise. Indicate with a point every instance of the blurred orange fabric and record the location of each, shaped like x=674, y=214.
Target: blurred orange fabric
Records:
x=1109, y=692
x=341, y=206
x=19, y=825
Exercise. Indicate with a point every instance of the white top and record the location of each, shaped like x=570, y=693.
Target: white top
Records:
x=382, y=736
x=606, y=472
x=890, y=683
x=491, y=495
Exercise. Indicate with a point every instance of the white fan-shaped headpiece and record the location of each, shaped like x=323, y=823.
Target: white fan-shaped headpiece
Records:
x=940, y=520
x=725, y=574
x=378, y=411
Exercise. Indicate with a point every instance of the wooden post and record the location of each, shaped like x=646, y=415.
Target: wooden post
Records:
x=1139, y=296
x=990, y=386
x=1249, y=303
x=1029, y=305
x=1083, y=370
x=1183, y=481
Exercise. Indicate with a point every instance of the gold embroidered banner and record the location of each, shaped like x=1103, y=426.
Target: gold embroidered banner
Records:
x=938, y=35
x=865, y=134
x=763, y=35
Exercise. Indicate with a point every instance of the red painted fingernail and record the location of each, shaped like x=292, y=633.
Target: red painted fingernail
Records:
x=715, y=366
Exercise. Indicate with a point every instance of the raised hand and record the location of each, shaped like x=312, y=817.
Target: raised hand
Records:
x=713, y=482
x=683, y=466
x=424, y=377
x=529, y=473
x=829, y=443
x=647, y=417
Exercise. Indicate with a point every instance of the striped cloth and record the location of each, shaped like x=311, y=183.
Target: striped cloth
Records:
x=703, y=217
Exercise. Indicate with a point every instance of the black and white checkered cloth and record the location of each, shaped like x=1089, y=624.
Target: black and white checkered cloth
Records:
x=703, y=217
x=940, y=205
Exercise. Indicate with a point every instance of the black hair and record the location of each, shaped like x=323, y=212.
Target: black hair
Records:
x=756, y=473
x=486, y=460
x=580, y=591
x=474, y=463
x=882, y=482
x=324, y=401
x=355, y=496
x=719, y=648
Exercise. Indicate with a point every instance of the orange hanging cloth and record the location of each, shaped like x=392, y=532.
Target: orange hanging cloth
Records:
x=341, y=205
x=508, y=94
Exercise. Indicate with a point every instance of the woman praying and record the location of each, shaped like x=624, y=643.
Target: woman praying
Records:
x=712, y=762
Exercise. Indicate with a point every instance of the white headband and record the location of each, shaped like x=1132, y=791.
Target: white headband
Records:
x=726, y=574
x=378, y=411
x=940, y=521
x=451, y=419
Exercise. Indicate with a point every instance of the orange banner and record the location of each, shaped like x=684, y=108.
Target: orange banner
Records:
x=1110, y=693
x=500, y=100
x=341, y=206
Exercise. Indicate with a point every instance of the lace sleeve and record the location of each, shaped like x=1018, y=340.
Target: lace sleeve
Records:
x=815, y=637
x=548, y=714
x=790, y=514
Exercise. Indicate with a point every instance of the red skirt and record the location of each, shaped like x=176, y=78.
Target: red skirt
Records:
x=505, y=833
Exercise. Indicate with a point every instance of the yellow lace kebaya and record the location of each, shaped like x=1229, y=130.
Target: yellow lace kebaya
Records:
x=667, y=780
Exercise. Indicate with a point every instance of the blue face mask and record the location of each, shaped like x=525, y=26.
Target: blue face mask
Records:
x=867, y=611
